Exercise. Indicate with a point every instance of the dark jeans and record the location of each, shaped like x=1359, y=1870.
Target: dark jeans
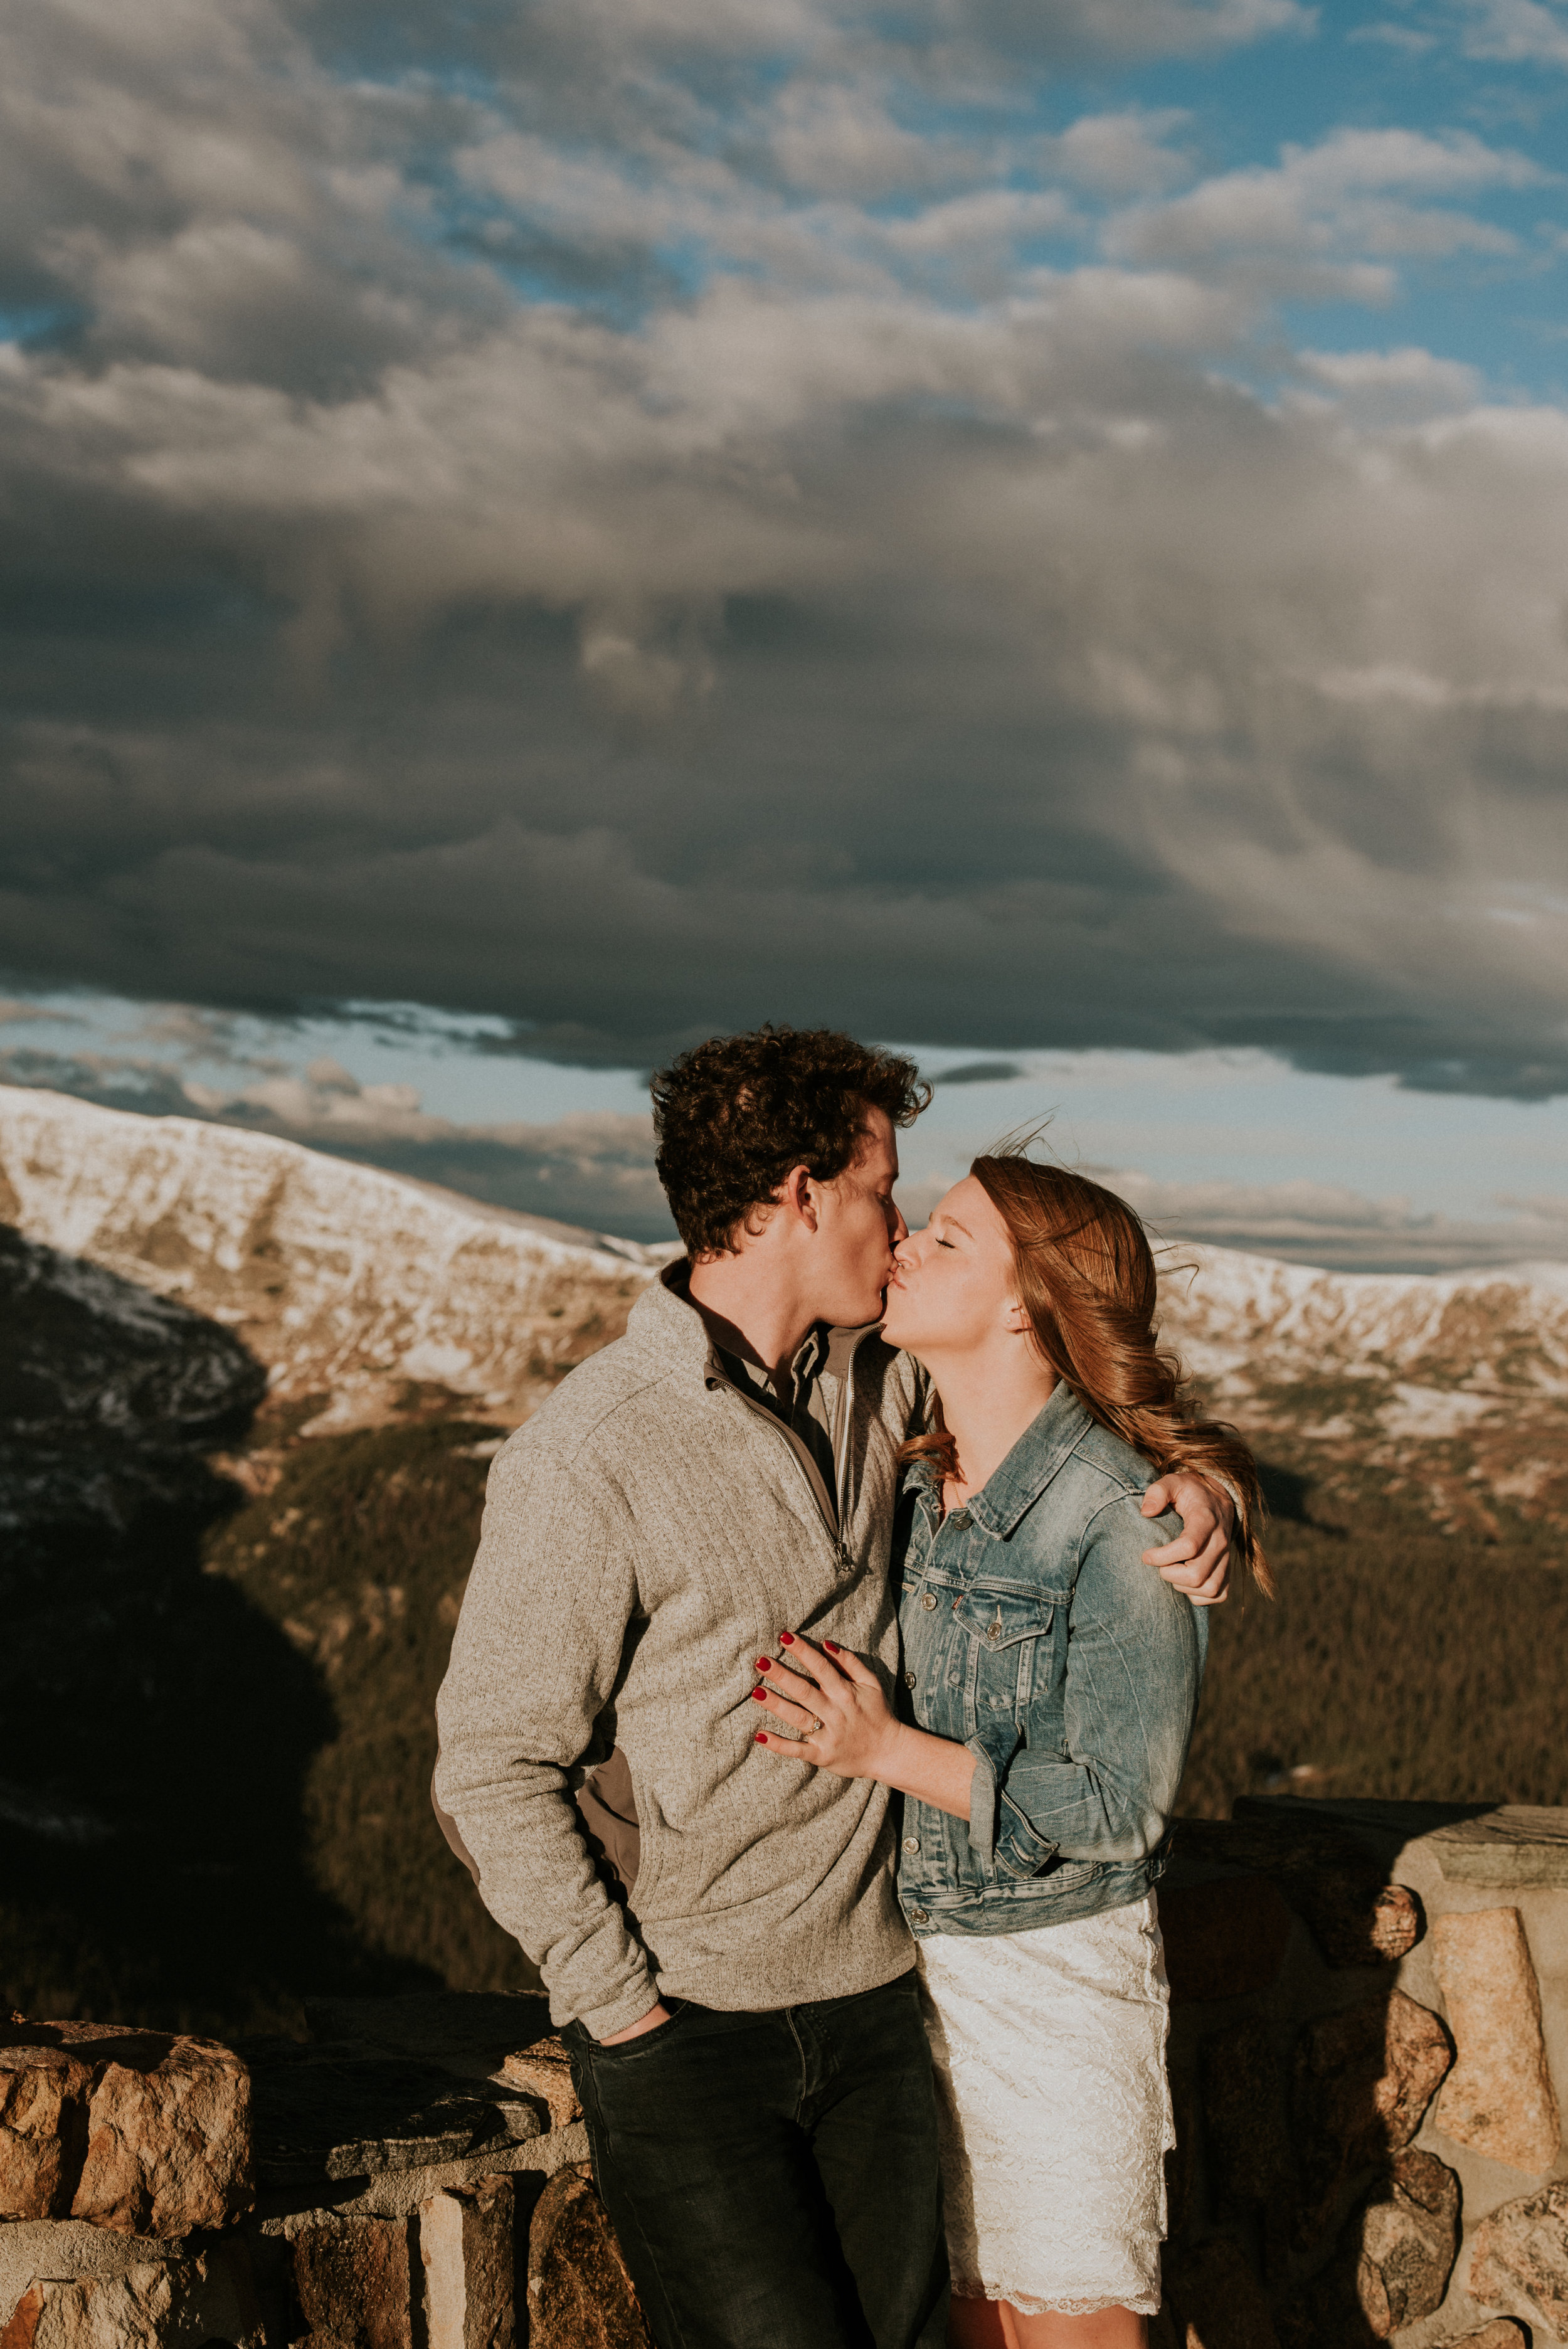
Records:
x=773, y=2177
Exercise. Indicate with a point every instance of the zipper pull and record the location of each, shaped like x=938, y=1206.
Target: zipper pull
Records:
x=846, y=1559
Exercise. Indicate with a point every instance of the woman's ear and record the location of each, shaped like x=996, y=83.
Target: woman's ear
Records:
x=1015, y=1317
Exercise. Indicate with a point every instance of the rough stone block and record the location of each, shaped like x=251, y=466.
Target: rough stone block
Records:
x=341, y=2112
x=168, y=2138
x=1394, y=2260
x=1499, y=2097
x=1517, y=1844
x=1500, y=2333
x=1216, y=2301
x=1521, y=2250
x=467, y=2247
x=544, y=2070
x=1223, y=1939
x=44, y=2095
x=166, y=2146
x=580, y=2296
x=352, y=2283
x=154, y=2304
x=1364, y=2079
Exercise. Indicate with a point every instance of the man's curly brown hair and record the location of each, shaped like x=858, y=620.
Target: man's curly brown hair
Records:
x=735, y=1114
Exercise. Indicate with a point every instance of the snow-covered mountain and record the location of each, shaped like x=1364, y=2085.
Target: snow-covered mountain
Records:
x=345, y=1283
x=1453, y=1384
x=353, y=1286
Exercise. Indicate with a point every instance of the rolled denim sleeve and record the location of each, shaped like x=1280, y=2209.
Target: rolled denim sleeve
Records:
x=1135, y=1655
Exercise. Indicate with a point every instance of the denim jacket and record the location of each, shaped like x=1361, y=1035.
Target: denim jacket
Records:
x=1034, y=1634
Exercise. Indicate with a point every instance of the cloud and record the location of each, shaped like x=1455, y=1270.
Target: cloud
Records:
x=706, y=513
x=1322, y=1223
x=1516, y=32
x=1332, y=216
x=980, y=1073
x=594, y=1170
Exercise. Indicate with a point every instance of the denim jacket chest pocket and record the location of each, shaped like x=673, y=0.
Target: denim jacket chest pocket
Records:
x=1001, y=1640
x=983, y=1653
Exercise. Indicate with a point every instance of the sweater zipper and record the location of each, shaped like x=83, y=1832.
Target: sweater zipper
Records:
x=831, y=1506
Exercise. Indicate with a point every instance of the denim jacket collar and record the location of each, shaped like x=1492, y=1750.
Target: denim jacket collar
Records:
x=1038, y=1456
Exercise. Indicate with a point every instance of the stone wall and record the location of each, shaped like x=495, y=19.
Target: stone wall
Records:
x=1369, y=2059
x=413, y=2177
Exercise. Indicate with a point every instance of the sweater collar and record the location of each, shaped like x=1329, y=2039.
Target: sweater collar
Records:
x=665, y=1323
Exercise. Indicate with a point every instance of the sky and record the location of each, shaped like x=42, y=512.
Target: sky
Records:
x=1037, y=533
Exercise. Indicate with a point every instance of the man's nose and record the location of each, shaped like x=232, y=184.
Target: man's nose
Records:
x=900, y=1228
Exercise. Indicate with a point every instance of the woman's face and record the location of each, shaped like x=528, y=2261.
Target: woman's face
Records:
x=954, y=1288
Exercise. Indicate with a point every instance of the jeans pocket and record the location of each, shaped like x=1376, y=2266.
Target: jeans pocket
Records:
x=628, y=2049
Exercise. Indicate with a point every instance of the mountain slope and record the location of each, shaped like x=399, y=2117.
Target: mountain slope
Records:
x=1453, y=1385
x=348, y=1284
x=220, y=1665
x=351, y=1287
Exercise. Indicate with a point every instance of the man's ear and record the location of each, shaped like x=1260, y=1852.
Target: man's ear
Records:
x=796, y=1194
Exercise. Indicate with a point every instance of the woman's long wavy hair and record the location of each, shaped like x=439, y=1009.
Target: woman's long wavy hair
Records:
x=1088, y=1282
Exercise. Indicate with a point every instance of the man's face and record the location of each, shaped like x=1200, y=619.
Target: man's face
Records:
x=858, y=1228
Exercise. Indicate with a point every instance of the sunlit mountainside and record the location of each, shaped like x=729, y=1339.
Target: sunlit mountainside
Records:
x=248, y=1395
x=349, y=1285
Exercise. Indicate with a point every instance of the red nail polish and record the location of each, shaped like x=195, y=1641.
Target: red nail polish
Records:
x=762, y=1737
x=765, y=1663
x=832, y=1646
x=785, y=1639
x=760, y=1695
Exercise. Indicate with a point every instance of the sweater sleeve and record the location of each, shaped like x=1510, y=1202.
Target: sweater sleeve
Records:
x=535, y=1659
x=1134, y=1664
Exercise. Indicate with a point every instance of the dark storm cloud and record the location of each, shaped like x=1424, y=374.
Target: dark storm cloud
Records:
x=980, y=1073
x=829, y=638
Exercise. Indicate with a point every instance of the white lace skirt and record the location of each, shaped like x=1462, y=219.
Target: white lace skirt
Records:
x=1055, y=2109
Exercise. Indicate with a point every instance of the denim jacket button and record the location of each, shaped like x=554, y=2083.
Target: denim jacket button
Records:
x=960, y=1518
x=911, y=1842
x=928, y=1599
x=920, y=1916
x=908, y=1680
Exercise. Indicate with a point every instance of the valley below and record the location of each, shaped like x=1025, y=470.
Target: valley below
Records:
x=248, y=1398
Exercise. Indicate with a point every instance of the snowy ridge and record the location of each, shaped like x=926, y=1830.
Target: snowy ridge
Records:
x=1239, y=1312
x=344, y=1281
x=350, y=1285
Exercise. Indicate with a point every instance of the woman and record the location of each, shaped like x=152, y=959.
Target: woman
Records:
x=1053, y=1682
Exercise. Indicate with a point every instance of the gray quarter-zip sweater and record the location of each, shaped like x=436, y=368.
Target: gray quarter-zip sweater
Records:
x=647, y=1534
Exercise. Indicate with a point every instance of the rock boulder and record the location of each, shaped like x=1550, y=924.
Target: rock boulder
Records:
x=1393, y=2262
x=1521, y=2250
x=580, y=2296
x=1364, y=2078
x=468, y=2250
x=354, y=2283
x=1499, y=2097
x=44, y=2095
x=145, y=2131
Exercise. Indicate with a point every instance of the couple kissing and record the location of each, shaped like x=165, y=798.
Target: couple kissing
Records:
x=815, y=1717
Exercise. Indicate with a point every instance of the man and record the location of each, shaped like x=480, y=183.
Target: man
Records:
x=745, y=2033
